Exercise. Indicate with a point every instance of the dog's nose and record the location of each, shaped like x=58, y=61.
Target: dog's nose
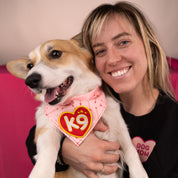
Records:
x=33, y=81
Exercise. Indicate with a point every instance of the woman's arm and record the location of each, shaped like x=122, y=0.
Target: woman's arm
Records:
x=30, y=144
x=91, y=155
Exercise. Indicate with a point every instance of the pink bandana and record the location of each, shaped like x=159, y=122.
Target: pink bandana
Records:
x=77, y=117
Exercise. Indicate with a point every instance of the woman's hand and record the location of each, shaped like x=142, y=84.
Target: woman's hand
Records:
x=91, y=156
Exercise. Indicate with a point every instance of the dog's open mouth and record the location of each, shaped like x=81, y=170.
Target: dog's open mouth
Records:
x=54, y=95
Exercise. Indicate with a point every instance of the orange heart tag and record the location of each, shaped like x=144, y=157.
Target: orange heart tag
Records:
x=78, y=123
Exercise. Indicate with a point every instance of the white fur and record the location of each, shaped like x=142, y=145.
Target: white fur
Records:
x=48, y=142
x=35, y=53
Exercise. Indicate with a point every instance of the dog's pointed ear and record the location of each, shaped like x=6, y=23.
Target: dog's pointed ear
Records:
x=18, y=68
x=78, y=39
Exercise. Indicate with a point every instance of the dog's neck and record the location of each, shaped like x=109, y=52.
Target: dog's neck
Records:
x=87, y=83
x=84, y=97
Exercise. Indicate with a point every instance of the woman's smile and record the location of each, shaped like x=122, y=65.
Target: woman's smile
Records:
x=120, y=72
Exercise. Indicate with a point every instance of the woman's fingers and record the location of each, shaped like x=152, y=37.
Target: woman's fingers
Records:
x=109, y=169
x=102, y=169
x=90, y=174
x=110, y=158
x=110, y=146
x=108, y=153
x=100, y=126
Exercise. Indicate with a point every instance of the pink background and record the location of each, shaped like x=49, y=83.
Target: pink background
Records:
x=17, y=116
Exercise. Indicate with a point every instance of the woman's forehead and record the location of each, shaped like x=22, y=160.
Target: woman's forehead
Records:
x=112, y=26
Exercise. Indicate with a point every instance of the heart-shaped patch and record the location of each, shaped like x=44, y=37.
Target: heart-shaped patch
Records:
x=78, y=123
x=144, y=148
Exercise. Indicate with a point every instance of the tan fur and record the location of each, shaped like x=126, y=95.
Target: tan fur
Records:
x=69, y=49
x=39, y=132
x=18, y=67
x=63, y=174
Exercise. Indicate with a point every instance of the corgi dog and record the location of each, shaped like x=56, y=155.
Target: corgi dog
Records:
x=61, y=72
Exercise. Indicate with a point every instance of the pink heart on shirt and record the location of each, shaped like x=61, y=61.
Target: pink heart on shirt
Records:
x=144, y=148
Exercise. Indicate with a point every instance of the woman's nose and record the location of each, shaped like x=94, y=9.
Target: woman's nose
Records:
x=113, y=56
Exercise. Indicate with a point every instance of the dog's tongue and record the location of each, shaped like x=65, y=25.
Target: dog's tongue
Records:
x=51, y=94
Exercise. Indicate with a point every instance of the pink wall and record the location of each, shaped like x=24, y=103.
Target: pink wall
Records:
x=29, y=23
x=17, y=108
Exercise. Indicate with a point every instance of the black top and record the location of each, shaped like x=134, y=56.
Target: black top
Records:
x=157, y=130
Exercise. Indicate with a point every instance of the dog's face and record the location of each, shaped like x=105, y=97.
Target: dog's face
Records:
x=57, y=68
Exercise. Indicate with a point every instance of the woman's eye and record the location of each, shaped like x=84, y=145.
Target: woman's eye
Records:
x=123, y=43
x=100, y=52
x=55, y=54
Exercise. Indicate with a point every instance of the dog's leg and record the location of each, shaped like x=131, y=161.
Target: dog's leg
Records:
x=48, y=143
x=118, y=131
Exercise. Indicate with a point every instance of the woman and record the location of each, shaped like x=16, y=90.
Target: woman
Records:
x=132, y=63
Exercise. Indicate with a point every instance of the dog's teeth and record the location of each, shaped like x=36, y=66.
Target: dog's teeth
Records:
x=57, y=93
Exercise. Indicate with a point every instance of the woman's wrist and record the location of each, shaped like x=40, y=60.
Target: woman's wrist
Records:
x=60, y=160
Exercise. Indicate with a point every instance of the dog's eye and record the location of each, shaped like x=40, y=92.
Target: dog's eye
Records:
x=55, y=54
x=30, y=65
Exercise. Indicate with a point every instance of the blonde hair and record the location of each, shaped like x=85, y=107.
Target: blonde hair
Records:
x=158, y=70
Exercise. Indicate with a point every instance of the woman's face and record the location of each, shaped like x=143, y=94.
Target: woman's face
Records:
x=120, y=56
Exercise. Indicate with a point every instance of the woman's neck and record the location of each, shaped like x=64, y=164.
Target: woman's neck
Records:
x=139, y=103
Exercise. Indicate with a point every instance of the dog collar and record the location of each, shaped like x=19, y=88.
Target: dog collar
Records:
x=78, y=115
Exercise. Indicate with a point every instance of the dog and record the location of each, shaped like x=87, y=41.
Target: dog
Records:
x=59, y=71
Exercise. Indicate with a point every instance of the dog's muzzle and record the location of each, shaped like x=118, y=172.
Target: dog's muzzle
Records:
x=53, y=95
x=33, y=81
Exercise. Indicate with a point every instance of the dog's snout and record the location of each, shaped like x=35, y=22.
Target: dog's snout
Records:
x=33, y=81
